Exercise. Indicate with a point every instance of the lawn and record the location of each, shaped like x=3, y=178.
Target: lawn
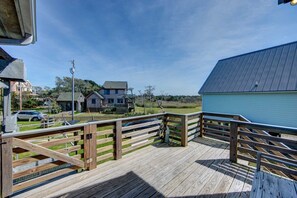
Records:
x=32, y=125
x=169, y=110
x=84, y=117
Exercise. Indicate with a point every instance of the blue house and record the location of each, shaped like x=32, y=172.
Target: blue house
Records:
x=261, y=85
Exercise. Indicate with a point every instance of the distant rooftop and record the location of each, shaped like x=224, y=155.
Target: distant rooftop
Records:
x=115, y=85
x=268, y=70
x=67, y=96
x=97, y=94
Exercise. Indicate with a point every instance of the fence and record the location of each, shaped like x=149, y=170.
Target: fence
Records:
x=34, y=157
x=248, y=139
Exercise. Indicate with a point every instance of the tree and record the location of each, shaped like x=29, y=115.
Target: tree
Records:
x=37, y=89
x=149, y=93
x=84, y=86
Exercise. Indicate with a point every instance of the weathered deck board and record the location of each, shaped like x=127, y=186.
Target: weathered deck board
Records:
x=269, y=185
x=202, y=168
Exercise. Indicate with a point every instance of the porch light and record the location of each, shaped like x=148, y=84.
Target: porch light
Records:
x=292, y=2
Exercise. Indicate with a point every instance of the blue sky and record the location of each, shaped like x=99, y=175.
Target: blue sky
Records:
x=170, y=44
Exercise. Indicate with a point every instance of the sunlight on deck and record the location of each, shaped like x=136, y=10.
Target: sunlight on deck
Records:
x=202, y=168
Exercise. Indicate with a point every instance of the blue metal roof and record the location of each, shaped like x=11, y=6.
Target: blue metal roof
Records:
x=267, y=70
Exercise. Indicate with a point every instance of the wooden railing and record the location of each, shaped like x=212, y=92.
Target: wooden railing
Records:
x=33, y=157
x=247, y=139
x=217, y=125
x=182, y=127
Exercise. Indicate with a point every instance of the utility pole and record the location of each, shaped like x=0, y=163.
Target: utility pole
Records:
x=72, y=70
x=20, y=94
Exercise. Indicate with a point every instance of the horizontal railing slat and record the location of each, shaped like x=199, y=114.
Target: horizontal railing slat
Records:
x=254, y=154
x=131, y=148
x=139, y=132
x=140, y=138
x=43, y=178
x=104, y=157
x=266, y=137
x=269, y=147
x=105, y=132
x=136, y=126
x=219, y=137
x=105, y=148
x=105, y=140
x=195, y=120
x=266, y=127
x=217, y=131
x=269, y=165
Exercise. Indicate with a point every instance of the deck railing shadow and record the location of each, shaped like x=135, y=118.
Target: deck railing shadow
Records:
x=224, y=166
x=210, y=142
x=128, y=185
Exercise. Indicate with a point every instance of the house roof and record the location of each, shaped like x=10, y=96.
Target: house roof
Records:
x=67, y=96
x=268, y=70
x=18, y=22
x=11, y=68
x=115, y=85
x=97, y=94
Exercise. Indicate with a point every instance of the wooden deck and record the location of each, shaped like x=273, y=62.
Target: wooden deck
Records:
x=201, y=169
x=270, y=185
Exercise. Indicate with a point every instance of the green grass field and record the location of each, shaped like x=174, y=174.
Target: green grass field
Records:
x=169, y=110
x=181, y=109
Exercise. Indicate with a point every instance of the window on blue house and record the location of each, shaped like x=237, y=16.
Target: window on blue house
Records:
x=93, y=101
x=120, y=100
x=116, y=91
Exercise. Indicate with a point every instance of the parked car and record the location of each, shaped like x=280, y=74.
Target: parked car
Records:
x=30, y=115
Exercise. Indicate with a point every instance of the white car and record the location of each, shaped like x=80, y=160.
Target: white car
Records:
x=30, y=115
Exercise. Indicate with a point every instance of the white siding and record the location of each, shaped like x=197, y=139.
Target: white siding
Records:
x=269, y=108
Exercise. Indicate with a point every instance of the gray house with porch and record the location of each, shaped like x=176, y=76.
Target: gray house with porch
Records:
x=94, y=102
x=65, y=99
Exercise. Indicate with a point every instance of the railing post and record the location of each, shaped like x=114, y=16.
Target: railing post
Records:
x=93, y=146
x=201, y=124
x=184, y=131
x=6, y=167
x=164, y=120
x=118, y=140
x=233, y=141
x=90, y=146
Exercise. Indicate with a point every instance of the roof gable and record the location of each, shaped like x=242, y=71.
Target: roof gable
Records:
x=97, y=94
x=115, y=85
x=67, y=96
x=268, y=70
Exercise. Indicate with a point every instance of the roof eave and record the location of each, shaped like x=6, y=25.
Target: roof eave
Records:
x=26, y=18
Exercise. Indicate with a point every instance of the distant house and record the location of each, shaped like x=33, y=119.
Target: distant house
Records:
x=94, y=102
x=115, y=95
x=114, y=92
x=24, y=86
x=261, y=85
x=65, y=101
